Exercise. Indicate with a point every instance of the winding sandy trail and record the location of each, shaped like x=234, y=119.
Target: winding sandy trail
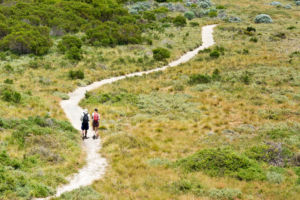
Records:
x=96, y=164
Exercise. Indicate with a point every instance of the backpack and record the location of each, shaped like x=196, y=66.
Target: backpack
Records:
x=85, y=119
x=96, y=117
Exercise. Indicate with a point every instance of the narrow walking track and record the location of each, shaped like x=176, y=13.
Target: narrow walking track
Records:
x=96, y=165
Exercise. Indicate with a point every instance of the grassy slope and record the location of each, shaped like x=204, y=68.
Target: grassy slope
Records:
x=224, y=105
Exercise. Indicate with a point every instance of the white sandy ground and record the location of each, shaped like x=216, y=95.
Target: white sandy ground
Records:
x=96, y=164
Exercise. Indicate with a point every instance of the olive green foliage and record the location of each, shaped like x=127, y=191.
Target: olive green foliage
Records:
x=22, y=177
x=212, y=14
x=149, y=16
x=161, y=54
x=118, y=98
x=214, y=54
x=76, y=74
x=27, y=39
x=22, y=32
x=68, y=42
x=223, y=162
x=74, y=54
x=204, y=78
x=111, y=34
x=8, y=81
x=179, y=21
x=9, y=94
x=194, y=24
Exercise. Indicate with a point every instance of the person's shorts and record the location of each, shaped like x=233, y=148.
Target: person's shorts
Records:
x=95, y=124
x=85, y=126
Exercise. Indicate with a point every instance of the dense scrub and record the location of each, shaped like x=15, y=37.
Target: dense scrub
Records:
x=41, y=141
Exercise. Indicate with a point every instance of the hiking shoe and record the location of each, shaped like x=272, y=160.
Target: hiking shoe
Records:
x=94, y=136
x=83, y=137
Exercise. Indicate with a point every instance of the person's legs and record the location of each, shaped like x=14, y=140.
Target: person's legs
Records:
x=96, y=132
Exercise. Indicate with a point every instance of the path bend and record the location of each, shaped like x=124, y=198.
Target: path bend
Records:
x=96, y=164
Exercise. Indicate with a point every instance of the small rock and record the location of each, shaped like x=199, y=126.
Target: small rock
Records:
x=228, y=131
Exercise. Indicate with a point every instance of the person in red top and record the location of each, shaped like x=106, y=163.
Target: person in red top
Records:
x=96, y=119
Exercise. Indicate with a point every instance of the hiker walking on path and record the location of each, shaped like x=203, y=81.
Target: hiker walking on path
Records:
x=96, y=119
x=85, y=118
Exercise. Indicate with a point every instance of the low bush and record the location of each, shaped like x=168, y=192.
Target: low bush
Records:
x=9, y=81
x=250, y=28
x=214, y=54
x=220, y=7
x=223, y=162
x=291, y=27
x=274, y=177
x=225, y=193
x=76, y=74
x=179, y=21
x=253, y=39
x=194, y=24
x=263, y=18
x=212, y=14
x=149, y=16
x=161, y=53
x=189, y=15
x=68, y=42
x=184, y=186
x=74, y=54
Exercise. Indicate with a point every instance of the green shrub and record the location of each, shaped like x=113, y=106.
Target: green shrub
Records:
x=297, y=3
x=199, y=78
x=221, y=7
x=206, y=50
x=74, y=54
x=214, y=54
x=234, y=20
x=253, y=39
x=9, y=81
x=212, y=14
x=250, y=28
x=179, y=21
x=189, y=15
x=203, y=5
x=291, y=27
x=68, y=42
x=225, y=193
x=27, y=41
x=184, y=186
x=161, y=53
x=194, y=24
x=76, y=74
x=149, y=16
x=8, y=68
x=263, y=18
x=11, y=96
x=2, y=56
x=223, y=162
